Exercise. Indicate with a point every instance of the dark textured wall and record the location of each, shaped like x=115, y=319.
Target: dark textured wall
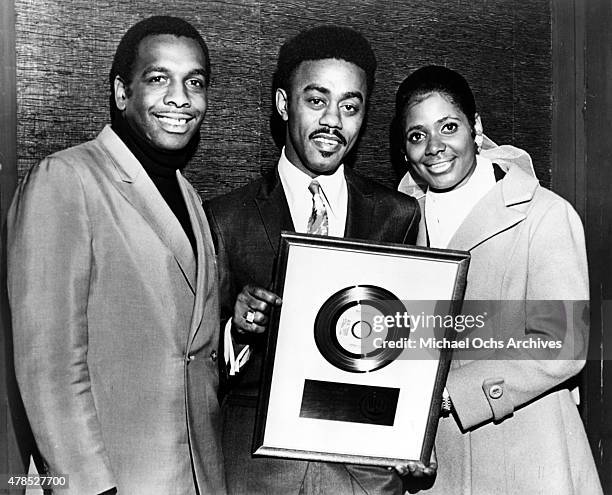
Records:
x=65, y=48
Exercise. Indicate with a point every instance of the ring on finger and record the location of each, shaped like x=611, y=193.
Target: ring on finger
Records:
x=249, y=316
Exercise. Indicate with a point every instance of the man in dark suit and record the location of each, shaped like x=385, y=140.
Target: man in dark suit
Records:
x=322, y=86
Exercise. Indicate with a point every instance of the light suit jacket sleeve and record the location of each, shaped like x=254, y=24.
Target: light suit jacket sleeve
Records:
x=49, y=270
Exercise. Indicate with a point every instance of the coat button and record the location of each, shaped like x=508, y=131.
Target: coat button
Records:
x=496, y=391
x=188, y=358
x=213, y=355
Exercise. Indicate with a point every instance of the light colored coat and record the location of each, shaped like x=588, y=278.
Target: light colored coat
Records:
x=517, y=429
x=115, y=325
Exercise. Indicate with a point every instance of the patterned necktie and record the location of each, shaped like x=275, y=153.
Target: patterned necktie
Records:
x=317, y=223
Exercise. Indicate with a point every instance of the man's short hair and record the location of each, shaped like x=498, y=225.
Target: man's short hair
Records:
x=127, y=51
x=323, y=42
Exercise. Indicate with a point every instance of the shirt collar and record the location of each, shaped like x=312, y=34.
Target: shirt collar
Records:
x=295, y=183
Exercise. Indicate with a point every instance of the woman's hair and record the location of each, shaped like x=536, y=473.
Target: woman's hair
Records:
x=422, y=82
x=436, y=79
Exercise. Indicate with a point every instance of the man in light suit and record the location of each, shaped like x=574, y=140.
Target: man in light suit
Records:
x=113, y=286
x=322, y=87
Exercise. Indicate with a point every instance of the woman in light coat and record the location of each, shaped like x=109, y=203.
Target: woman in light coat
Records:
x=513, y=426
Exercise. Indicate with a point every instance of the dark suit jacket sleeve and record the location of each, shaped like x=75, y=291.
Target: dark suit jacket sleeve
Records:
x=49, y=271
x=227, y=296
x=227, y=291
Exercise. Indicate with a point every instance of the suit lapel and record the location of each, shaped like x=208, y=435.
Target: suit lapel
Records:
x=422, y=236
x=360, y=208
x=478, y=227
x=273, y=208
x=206, y=271
x=138, y=189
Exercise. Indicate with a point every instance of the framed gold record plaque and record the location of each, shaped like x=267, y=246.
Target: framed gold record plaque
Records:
x=354, y=369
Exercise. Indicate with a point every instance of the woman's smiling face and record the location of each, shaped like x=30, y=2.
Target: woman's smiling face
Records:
x=438, y=141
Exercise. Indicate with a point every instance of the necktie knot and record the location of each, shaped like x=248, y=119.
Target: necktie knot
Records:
x=315, y=188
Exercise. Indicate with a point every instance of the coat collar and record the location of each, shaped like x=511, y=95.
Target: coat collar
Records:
x=276, y=217
x=502, y=207
x=137, y=188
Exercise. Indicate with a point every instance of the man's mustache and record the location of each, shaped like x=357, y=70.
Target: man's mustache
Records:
x=329, y=132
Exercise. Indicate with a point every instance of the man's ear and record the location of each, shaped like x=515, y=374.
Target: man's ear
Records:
x=282, y=103
x=121, y=91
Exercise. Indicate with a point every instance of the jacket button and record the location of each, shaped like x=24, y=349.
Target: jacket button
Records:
x=496, y=391
x=213, y=355
x=188, y=358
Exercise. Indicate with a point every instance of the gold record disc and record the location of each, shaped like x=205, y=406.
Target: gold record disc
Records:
x=345, y=328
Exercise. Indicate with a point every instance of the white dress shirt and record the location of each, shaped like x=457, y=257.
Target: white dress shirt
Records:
x=333, y=191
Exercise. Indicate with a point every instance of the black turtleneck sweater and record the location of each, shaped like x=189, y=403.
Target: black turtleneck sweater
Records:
x=161, y=167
